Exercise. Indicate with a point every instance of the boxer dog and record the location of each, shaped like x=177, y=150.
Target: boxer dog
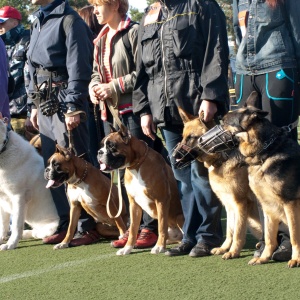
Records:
x=149, y=182
x=87, y=188
x=23, y=195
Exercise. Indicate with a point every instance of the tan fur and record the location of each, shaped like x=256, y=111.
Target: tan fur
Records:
x=273, y=176
x=91, y=195
x=229, y=181
x=151, y=186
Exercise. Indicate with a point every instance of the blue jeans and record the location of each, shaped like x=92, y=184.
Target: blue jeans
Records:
x=133, y=125
x=201, y=208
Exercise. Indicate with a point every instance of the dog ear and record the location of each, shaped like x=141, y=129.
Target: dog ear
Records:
x=185, y=116
x=125, y=134
x=112, y=128
x=243, y=136
x=261, y=114
x=67, y=153
x=252, y=100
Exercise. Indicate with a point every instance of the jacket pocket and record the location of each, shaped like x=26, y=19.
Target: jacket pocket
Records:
x=149, y=43
x=183, y=41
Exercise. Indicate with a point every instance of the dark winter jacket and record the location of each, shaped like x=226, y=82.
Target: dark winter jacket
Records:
x=67, y=52
x=16, y=42
x=182, y=59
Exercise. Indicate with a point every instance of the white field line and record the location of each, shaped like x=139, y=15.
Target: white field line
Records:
x=69, y=264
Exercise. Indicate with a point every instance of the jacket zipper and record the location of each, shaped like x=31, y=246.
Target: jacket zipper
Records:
x=163, y=54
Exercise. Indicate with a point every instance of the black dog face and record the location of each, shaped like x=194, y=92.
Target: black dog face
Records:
x=112, y=154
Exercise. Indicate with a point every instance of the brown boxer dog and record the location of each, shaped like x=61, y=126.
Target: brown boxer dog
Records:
x=149, y=182
x=87, y=188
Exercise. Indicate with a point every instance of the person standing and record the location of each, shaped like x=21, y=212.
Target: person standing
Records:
x=60, y=65
x=113, y=78
x=183, y=62
x=268, y=62
x=16, y=39
x=4, y=101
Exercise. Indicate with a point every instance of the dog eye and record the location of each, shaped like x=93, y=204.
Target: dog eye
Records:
x=111, y=146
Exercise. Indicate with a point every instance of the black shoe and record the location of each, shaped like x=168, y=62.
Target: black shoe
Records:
x=200, y=250
x=181, y=249
x=283, y=252
x=260, y=248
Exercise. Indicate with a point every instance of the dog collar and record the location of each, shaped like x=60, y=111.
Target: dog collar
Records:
x=5, y=142
x=83, y=176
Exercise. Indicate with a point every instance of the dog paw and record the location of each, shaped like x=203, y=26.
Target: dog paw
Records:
x=230, y=255
x=125, y=251
x=158, y=249
x=293, y=263
x=60, y=246
x=5, y=247
x=258, y=261
x=218, y=251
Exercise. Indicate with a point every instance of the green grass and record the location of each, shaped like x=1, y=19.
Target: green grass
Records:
x=36, y=271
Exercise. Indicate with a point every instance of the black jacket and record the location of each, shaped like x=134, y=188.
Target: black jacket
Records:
x=183, y=58
x=67, y=51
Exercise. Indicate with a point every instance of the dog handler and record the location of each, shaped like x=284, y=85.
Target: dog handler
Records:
x=60, y=63
x=183, y=61
x=267, y=62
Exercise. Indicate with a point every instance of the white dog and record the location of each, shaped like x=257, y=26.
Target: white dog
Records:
x=23, y=195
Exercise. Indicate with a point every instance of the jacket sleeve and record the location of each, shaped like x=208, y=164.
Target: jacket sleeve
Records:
x=140, y=102
x=236, y=28
x=292, y=12
x=214, y=75
x=79, y=62
x=95, y=79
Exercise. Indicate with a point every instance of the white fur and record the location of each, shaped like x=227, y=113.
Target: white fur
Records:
x=136, y=188
x=23, y=193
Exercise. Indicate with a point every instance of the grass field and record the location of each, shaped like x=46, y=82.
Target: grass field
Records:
x=36, y=271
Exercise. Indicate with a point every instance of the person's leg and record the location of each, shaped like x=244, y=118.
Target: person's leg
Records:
x=58, y=194
x=172, y=137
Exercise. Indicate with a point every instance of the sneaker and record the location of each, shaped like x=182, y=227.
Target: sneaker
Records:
x=201, y=249
x=120, y=243
x=182, y=249
x=283, y=252
x=260, y=248
x=55, y=238
x=146, y=239
x=85, y=238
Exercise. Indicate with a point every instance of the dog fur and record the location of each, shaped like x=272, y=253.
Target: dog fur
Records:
x=274, y=175
x=229, y=181
x=149, y=182
x=23, y=195
x=87, y=188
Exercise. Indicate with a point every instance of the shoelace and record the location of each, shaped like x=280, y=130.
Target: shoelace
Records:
x=144, y=235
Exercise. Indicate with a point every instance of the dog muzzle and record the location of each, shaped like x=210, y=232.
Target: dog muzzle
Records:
x=183, y=155
x=217, y=140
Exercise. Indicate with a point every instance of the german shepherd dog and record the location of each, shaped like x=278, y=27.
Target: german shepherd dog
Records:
x=228, y=178
x=274, y=174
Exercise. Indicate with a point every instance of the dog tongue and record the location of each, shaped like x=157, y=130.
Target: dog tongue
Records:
x=50, y=183
x=102, y=166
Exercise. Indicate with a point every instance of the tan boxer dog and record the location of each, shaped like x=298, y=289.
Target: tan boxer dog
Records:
x=87, y=188
x=149, y=182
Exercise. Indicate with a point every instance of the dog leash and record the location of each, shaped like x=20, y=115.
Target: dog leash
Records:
x=119, y=194
x=70, y=134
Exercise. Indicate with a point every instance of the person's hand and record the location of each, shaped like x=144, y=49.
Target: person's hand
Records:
x=103, y=91
x=34, y=118
x=148, y=126
x=29, y=126
x=93, y=95
x=208, y=109
x=72, y=122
